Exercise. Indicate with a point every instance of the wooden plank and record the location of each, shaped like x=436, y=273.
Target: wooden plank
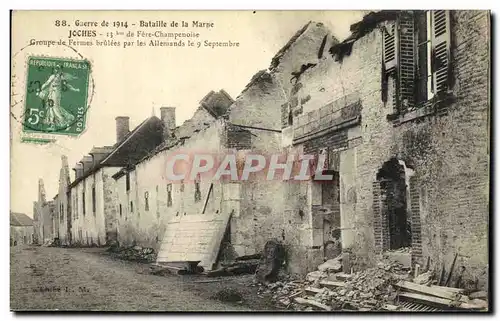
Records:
x=417, y=270
x=311, y=289
x=312, y=303
x=448, y=279
x=437, y=292
x=333, y=284
x=207, y=198
x=295, y=294
x=343, y=276
x=449, y=289
x=441, y=275
x=194, y=238
x=426, y=299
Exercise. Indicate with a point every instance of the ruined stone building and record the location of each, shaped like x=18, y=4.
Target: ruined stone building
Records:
x=84, y=208
x=400, y=109
x=43, y=217
x=147, y=201
x=21, y=229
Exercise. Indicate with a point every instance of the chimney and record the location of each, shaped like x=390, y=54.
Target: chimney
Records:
x=41, y=191
x=122, y=127
x=99, y=153
x=78, y=170
x=168, y=119
x=87, y=163
x=65, y=169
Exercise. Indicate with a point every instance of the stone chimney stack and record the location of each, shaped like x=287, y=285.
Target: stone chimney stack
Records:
x=87, y=163
x=168, y=119
x=65, y=170
x=99, y=153
x=78, y=170
x=41, y=191
x=122, y=127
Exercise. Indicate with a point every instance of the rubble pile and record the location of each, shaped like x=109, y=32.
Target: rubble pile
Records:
x=330, y=289
x=389, y=286
x=134, y=253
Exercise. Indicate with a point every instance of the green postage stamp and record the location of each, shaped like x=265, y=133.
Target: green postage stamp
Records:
x=56, y=96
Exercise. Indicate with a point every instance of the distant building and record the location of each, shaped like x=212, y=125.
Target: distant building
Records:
x=147, y=201
x=21, y=229
x=401, y=111
x=43, y=217
x=85, y=207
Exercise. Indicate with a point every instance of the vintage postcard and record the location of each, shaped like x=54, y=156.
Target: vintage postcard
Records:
x=325, y=161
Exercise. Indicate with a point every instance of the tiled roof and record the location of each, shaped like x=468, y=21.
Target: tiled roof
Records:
x=20, y=219
x=135, y=145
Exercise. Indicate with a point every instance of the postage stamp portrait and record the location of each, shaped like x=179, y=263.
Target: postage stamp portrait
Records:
x=56, y=95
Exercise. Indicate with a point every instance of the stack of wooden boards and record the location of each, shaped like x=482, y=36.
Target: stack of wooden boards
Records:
x=442, y=297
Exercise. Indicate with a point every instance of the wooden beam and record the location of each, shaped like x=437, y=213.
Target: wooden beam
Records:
x=333, y=284
x=426, y=299
x=313, y=303
x=343, y=276
x=433, y=291
x=207, y=198
x=314, y=290
x=449, y=289
x=448, y=279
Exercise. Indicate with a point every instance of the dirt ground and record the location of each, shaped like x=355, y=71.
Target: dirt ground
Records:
x=76, y=279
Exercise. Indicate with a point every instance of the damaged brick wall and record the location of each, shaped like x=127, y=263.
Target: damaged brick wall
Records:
x=144, y=222
x=89, y=227
x=449, y=155
x=109, y=208
x=265, y=213
x=238, y=138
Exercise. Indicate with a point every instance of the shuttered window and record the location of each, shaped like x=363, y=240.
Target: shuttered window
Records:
x=441, y=50
x=421, y=59
x=390, y=52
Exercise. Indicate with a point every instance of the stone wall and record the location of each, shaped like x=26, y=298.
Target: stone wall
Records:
x=146, y=225
x=21, y=235
x=448, y=153
x=90, y=227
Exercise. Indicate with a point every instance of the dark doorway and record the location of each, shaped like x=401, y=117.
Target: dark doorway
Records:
x=394, y=210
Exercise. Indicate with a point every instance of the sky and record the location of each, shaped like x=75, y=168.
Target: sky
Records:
x=137, y=81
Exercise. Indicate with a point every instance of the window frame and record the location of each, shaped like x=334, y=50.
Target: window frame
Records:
x=169, y=195
x=197, y=189
x=127, y=181
x=83, y=203
x=146, y=201
x=434, y=102
x=94, y=200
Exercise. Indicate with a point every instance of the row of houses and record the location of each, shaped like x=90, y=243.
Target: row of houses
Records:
x=22, y=231
x=400, y=108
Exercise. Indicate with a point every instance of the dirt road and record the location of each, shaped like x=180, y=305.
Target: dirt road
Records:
x=44, y=278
